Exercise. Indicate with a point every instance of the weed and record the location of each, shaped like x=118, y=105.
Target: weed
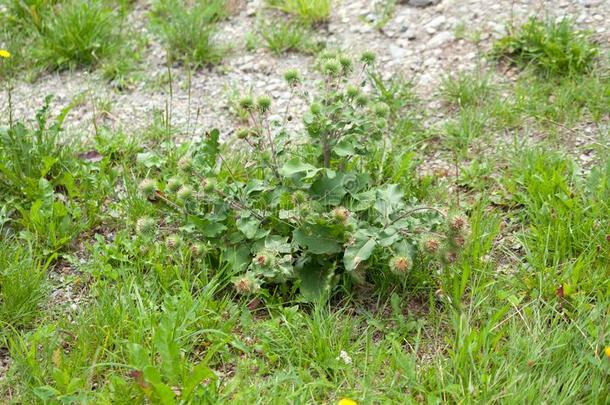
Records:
x=310, y=11
x=23, y=286
x=467, y=89
x=551, y=48
x=189, y=32
x=281, y=37
x=319, y=227
x=80, y=34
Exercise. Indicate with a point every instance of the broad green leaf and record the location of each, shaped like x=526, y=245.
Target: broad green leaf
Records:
x=150, y=159
x=206, y=226
x=296, y=166
x=329, y=190
x=317, y=239
x=389, y=200
x=359, y=251
x=199, y=373
x=344, y=148
x=165, y=393
x=248, y=226
x=316, y=281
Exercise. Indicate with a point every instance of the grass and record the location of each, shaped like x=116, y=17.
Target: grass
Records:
x=52, y=35
x=551, y=48
x=309, y=11
x=95, y=307
x=280, y=37
x=189, y=31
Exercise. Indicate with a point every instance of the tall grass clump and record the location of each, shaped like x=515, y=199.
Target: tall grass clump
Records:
x=551, y=48
x=54, y=35
x=310, y=11
x=189, y=31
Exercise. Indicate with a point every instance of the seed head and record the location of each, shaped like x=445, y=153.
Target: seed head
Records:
x=292, y=76
x=431, y=245
x=243, y=133
x=352, y=91
x=263, y=259
x=174, y=184
x=263, y=103
x=185, y=164
x=346, y=64
x=341, y=214
x=332, y=67
x=185, y=194
x=400, y=264
x=362, y=100
x=246, y=284
x=450, y=257
x=208, y=184
x=457, y=223
x=146, y=226
x=328, y=54
x=381, y=123
x=299, y=197
x=148, y=187
x=368, y=58
x=459, y=240
x=173, y=241
x=197, y=249
x=247, y=103
x=381, y=110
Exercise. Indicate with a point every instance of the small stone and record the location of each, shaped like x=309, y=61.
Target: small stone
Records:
x=397, y=52
x=440, y=39
x=422, y=3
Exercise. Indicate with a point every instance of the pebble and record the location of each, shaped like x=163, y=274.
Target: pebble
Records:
x=440, y=39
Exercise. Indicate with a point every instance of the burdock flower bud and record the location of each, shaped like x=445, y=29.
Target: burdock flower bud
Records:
x=340, y=214
x=346, y=64
x=247, y=103
x=450, y=257
x=459, y=240
x=173, y=241
x=381, y=123
x=352, y=91
x=246, y=284
x=263, y=103
x=148, y=187
x=332, y=67
x=185, y=194
x=399, y=265
x=362, y=100
x=146, y=226
x=263, y=259
x=208, y=184
x=197, y=249
x=368, y=57
x=381, y=110
x=292, y=76
x=243, y=133
x=174, y=184
x=431, y=245
x=457, y=223
x=185, y=164
x=299, y=197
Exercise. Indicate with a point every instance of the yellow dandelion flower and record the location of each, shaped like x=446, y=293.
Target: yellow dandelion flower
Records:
x=347, y=401
x=4, y=53
x=607, y=351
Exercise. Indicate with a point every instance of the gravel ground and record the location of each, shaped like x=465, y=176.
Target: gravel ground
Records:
x=419, y=42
